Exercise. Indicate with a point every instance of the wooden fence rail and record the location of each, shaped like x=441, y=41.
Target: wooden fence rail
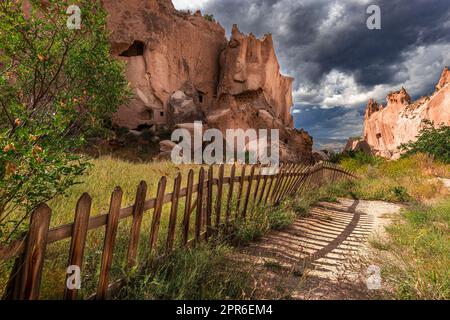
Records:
x=265, y=186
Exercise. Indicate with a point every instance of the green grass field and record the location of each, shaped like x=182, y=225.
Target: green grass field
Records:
x=105, y=174
x=419, y=237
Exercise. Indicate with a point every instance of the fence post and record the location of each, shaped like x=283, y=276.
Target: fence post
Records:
x=79, y=234
x=264, y=183
x=157, y=214
x=272, y=178
x=219, y=195
x=280, y=184
x=277, y=183
x=290, y=178
x=302, y=176
x=109, y=243
x=249, y=188
x=297, y=177
x=138, y=213
x=306, y=180
x=173, y=214
x=187, y=207
x=209, y=202
x=30, y=273
x=230, y=194
x=255, y=196
x=241, y=187
x=199, y=216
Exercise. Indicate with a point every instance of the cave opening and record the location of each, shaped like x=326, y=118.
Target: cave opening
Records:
x=144, y=127
x=379, y=137
x=135, y=50
x=201, y=97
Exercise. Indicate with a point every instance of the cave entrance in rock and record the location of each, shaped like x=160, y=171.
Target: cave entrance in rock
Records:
x=201, y=97
x=135, y=50
x=379, y=138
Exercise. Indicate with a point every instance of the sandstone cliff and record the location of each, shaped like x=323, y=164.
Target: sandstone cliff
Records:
x=253, y=94
x=165, y=51
x=182, y=68
x=387, y=127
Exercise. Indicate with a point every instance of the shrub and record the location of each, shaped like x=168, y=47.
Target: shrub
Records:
x=56, y=85
x=355, y=160
x=280, y=218
x=405, y=180
x=432, y=140
x=209, y=17
x=245, y=231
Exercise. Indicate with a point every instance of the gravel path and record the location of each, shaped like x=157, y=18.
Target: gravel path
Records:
x=323, y=256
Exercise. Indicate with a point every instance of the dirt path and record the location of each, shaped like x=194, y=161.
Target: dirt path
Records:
x=323, y=256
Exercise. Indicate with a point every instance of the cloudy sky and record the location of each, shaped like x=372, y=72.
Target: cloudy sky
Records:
x=338, y=63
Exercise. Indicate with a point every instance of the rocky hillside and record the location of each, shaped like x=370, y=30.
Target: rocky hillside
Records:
x=400, y=120
x=182, y=68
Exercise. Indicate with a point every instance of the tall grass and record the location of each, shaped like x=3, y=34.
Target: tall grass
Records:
x=415, y=257
x=202, y=273
x=407, y=180
x=105, y=174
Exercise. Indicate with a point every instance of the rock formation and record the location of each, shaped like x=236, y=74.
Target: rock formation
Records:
x=387, y=127
x=357, y=145
x=182, y=68
x=165, y=51
x=253, y=94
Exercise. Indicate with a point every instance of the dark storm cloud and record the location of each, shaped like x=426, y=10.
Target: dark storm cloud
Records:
x=311, y=43
x=337, y=61
x=334, y=123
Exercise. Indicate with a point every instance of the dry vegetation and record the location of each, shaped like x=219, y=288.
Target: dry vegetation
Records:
x=415, y=253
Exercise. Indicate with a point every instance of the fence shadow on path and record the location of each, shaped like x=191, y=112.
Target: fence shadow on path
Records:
x=311, y=257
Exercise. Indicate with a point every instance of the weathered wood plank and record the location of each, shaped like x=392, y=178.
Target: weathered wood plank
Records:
x=187, y=207
x=109, y=243
x=284, y=183
x=249, y=189
x=79, y=234
x=280, y=178
x=273, y=178
x=209, y=202
x=173, y=214
x=219, y=195
x=199, y=215
x=157, y=214
x=138, y=213
x=33, y=259
x=255, y=195
x=230, y=194
x=241, y=187
x=264, y=185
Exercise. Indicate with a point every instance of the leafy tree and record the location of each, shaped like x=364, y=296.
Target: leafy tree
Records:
x=57, y=85
x=209, y=17
x=432, y=140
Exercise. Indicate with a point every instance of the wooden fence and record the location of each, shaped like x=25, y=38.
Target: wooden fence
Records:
x=263, y=188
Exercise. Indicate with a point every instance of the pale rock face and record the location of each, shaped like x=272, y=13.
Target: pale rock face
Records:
x=385, y=129
x=357, y=145
x=182, y=108
x=227, y=84
x=320, y=156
